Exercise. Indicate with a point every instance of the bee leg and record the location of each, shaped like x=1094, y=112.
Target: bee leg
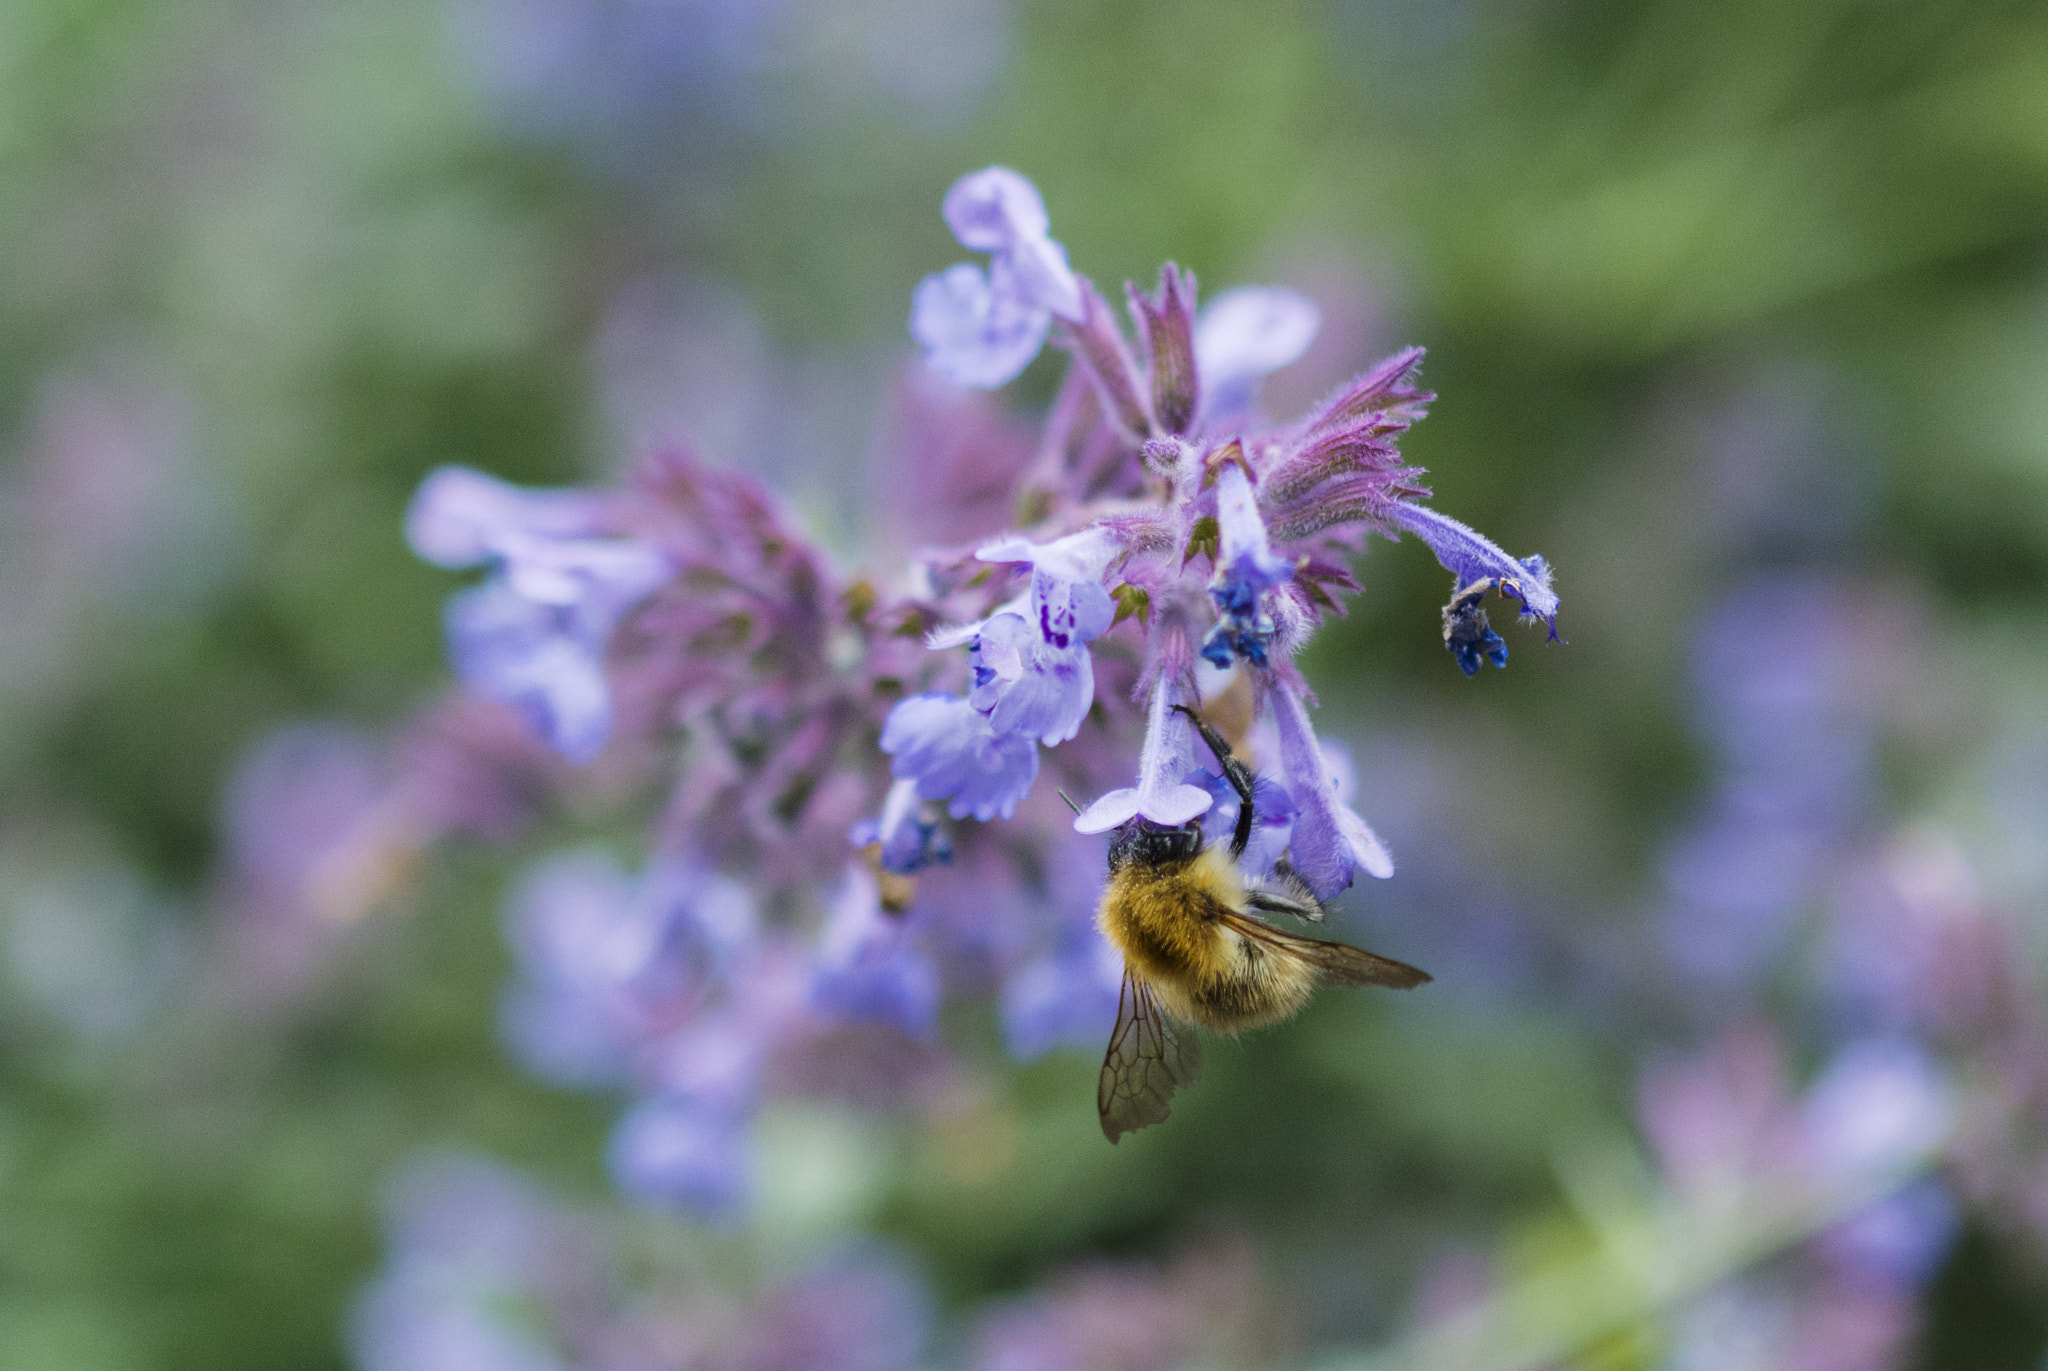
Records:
x=1234, y=771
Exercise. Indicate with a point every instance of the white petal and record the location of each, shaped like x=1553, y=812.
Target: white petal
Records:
x=1116, y=807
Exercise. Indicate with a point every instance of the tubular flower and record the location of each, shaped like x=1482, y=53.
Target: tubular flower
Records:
x=981, y=328
x=1162, y=795
x=1245, y=570
x=1479, y=565
x=1033, y=676
x=1329, y=840
x=534, y=635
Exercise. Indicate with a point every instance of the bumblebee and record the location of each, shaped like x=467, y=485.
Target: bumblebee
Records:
x=1197, y=952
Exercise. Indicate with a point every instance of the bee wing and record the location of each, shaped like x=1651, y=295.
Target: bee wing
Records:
x=1339, y=963
x=1146, y=1062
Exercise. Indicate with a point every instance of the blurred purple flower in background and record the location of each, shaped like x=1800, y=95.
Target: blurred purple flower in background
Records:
x=608, y=962
x=534, y=634
x=484, y=1272
x=635, y=85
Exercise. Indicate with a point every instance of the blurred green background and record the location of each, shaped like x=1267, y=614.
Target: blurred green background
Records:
x=266, y=265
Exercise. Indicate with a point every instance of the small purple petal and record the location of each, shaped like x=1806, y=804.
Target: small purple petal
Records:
x=992, y=208
x=676, y=1154
x=535, y=657
x=1245, y=333
x=998, y=211
x=1031, y=670
x=976, y=329
x=1082, y=556
x=1328, y=839
x=603, y=577
x=1027, y=688
x=946, y=746
x=549, y=542
x=459, y=516
x=981, y=329
x=1043, y=277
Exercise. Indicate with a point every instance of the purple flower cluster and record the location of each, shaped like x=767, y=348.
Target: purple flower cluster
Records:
x=486, y=1272
x=534, y=633
x=324, y=826
x=1172, y=547
x=1732, y=1140
x=1176, y=511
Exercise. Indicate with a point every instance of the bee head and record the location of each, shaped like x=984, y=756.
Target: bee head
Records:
x=1149, y=844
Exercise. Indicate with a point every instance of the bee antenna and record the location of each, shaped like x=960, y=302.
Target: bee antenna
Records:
x=1069, y=799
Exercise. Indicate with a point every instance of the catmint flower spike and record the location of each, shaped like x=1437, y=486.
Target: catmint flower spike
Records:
x=1169, y=323
x=1329, y=839
x=1161, y=796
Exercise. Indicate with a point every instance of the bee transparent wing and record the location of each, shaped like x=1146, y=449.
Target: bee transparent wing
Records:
x=1146, y=1062
x=1337, y=963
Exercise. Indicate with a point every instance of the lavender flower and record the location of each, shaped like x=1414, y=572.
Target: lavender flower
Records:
x=1328, y=840
x=981, y=329
x=534, y=634
x=950, y=750
x=1032, y=672
x=872, y=967
x=1245, y=570
x=1161, y=796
